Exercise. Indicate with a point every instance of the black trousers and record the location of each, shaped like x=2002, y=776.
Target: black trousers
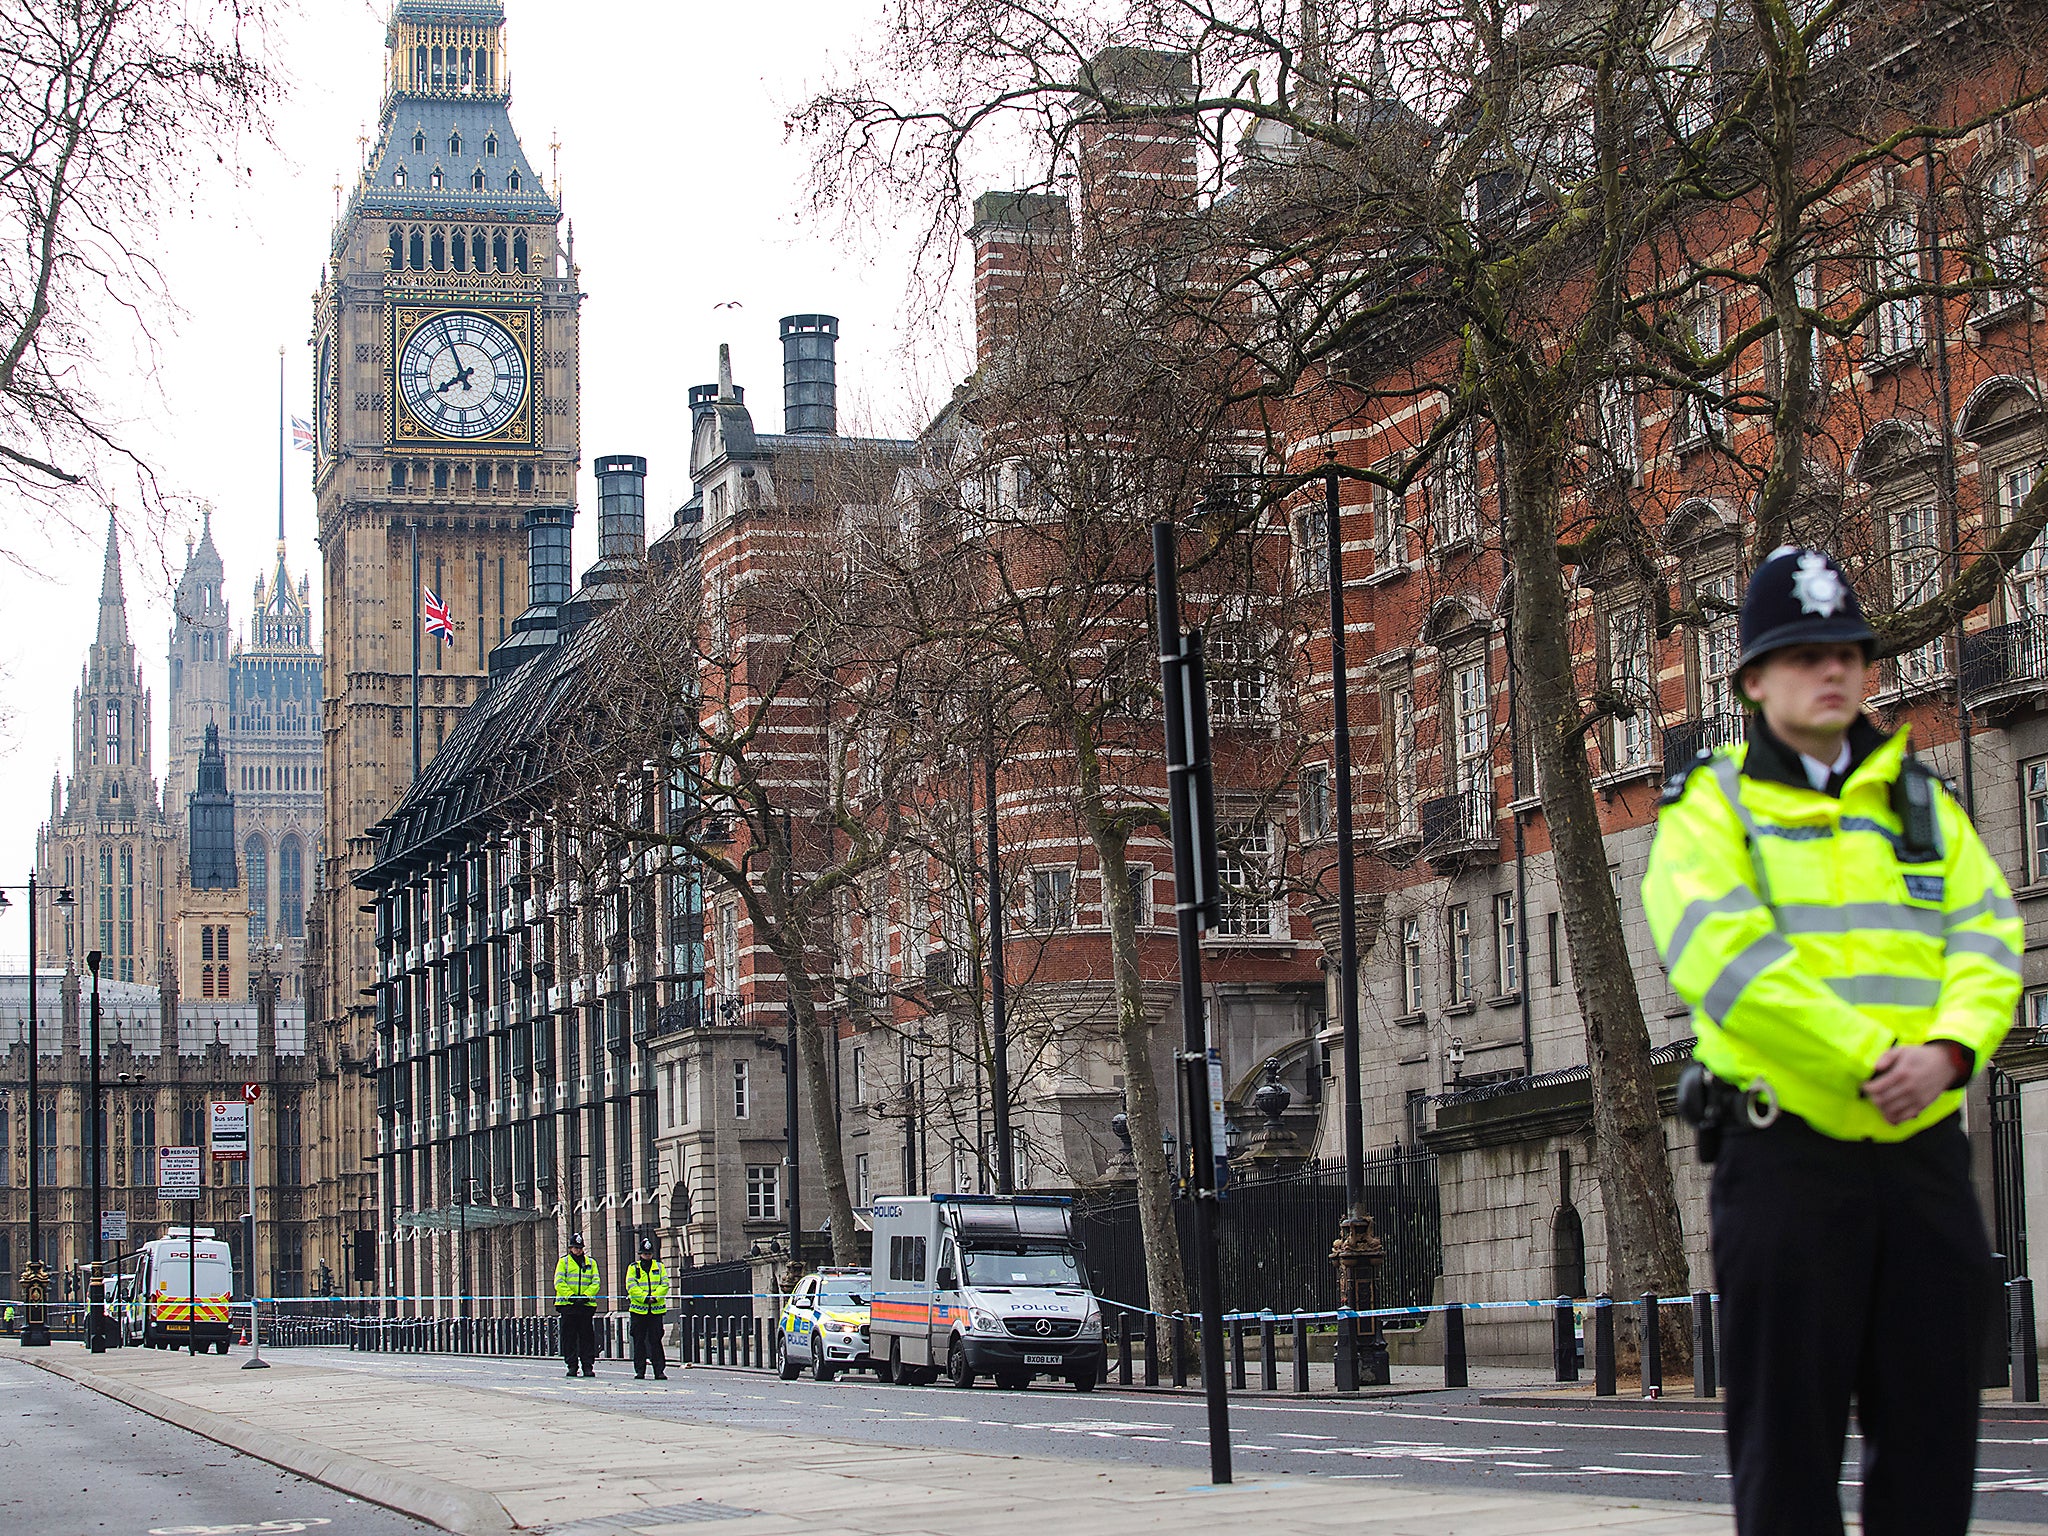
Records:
x=579, y=1336
x=1850, y=1269
x=647, y=1343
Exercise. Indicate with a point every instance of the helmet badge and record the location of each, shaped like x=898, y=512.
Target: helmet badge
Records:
x=1818, y=585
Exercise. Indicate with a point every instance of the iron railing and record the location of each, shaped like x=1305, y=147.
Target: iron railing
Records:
x=2005, y=657
x=1707, y=733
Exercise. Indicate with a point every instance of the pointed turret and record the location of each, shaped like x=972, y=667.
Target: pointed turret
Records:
x=113, y=601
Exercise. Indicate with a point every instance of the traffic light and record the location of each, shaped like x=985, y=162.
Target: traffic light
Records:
x=365, y=1271
x=326, y=1279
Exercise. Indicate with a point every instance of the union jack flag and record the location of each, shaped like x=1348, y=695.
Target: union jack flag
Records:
x=438, y=622
x=302, y=435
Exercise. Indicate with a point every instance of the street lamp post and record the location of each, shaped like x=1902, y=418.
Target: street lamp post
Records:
x=96, y=1293
x=35, y=1276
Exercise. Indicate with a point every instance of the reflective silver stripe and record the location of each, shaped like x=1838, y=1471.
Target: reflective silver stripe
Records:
x=1796, y=834
x=1850, y=916
x=1993, y=902
x=1887, y=991
x=1728, y=775
x=1738, y=973
x=1741, y=899
x=1989, y=945
x=1865, y=824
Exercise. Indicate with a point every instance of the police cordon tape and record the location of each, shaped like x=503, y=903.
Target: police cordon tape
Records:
x=725, y=1336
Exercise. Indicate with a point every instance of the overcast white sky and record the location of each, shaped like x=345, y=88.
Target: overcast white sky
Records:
x=684, y=197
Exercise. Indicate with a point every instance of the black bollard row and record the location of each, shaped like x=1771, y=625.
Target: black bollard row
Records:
x=1180, y=1350
x=1300, y=1353
x=1151, y=1350
x=1653, y=1347
x=1603, y=1345
x=1269, y=1355
x=1123, y=1349
x=1564, y=1342
x=2026, y=1359
x=1237, y=1354
x=1705, y=1379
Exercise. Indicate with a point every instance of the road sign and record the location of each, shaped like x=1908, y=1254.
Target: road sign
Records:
x=177, y=1173
x=229, y=1133
x=113, y=1226
x=251, y=1092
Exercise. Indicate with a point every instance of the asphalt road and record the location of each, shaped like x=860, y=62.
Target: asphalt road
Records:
x=1454, y=1439
x=73, y=1463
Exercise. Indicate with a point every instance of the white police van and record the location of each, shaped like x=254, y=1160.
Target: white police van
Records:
x=982, y=1285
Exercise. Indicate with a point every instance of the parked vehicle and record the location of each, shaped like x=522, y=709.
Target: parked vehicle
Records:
x=178, y=1288
x=979, y=1285
x=825, y=1324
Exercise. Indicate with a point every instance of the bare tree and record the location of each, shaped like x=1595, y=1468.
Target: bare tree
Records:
x=1489, y=236
x=110, y=112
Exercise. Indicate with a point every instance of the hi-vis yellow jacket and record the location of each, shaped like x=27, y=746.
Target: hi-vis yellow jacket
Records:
x=1807, y=948
x=575, y=1282
x=647, y=1288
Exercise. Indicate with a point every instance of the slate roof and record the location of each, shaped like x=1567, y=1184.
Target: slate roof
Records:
x=482, y=12
x=474, y=119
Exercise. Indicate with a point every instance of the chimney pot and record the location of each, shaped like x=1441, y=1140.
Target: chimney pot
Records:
x=810, y=375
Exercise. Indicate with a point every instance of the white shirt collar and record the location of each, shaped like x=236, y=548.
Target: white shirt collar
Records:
x=1818, y=773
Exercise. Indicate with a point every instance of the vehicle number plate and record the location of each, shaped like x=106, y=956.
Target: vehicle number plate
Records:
x=1043, y=1360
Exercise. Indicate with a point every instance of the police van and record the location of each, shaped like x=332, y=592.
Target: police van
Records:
x=982, y=1285
x=178, y=1288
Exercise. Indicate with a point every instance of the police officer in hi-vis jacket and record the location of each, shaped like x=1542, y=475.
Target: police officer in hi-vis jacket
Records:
x=1851, y=955
x=576, y=1292
x=647, y=1302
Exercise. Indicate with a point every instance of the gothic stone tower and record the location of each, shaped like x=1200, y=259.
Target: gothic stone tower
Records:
x=445, y=344
x=199, y=648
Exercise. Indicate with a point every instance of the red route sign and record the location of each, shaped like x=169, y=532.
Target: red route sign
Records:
x=251, y=1092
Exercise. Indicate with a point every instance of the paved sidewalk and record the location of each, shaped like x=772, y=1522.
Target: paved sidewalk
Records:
x=483, y=1462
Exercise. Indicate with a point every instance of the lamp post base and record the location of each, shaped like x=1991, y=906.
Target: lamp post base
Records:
x=1360, y=1255
x=35, y=1336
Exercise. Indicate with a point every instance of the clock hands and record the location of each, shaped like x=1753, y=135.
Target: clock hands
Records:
x=461, y=377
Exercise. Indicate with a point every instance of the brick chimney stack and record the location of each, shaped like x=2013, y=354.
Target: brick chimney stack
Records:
x=1021, y=244
x=1134, y=166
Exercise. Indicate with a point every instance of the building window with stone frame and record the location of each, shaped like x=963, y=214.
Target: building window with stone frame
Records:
x=1471, y=742
x=2005, y=237
x=764, y=1192
x=1917, y=560
x=1311, y=549
x=1399, y=809
x=2034, y=820
x=1625, y=666
x=1507, y=947
x=1315, y=803
x=863, y=1190
x=1389, y=520
x=1052, y=899
x=1458, y=952
x=742, y=1090
x=1411, y=967
x=1453, y=490
x=1246, y=907
x=1698, y=413
x=1898, y=327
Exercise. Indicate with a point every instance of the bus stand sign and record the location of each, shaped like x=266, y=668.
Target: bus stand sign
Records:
x=229, y=1131
x=177, y=1173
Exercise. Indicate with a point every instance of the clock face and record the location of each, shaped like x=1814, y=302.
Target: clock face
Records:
x=462, y=375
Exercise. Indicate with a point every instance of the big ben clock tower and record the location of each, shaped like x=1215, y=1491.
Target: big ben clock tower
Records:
x=445, y=352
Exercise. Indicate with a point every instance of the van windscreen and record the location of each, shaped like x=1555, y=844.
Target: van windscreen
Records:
x=1018, y=1265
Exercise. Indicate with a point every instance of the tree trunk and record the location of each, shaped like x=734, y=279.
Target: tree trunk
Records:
x=1165, y=1278
x=1645, y=1244
x=816, y=1086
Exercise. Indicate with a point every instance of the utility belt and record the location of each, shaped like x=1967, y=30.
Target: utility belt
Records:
x=1713, y=1107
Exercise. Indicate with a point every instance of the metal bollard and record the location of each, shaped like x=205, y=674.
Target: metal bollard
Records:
x=2025, y=1355
x=1180, y=1350
x=1455, y=1374
x=1300, y=1353
x=760, y=1342
x=1347, y=1351
x=1603, y=1345
x=724, y=1337
x=1123, y=1349
x=1269, y=1354
x=1237, y=1354
x=1564, y=1343
x=1704, y=1382
x=1151, y=1349
x=1653, y=1347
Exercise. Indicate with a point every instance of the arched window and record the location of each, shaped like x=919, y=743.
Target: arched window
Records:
x=256, y=865
x=397, y=250
x=436, y=181
x=419, y=140
x=476, y=183
x=519, y=252
x=458, y=251
x=206, y=979
x=206, y=942
x=1568, y=1250
x=419, y=251
x=291, y=888
x=479, y=252
x=113, y=731
x=498, y=250
x=512, y=182
x=438, y=247
x=437, y=68
x=490, y=143
x=455, y=139
x=419, y=67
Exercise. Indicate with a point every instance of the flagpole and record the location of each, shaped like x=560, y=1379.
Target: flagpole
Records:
x=280, y=447
x=413, y=535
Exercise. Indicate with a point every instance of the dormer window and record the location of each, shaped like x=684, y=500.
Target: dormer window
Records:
x=512, y=182
x=419, y=142
x=398, y=177
x=490, y=143
x=476, y=179
x=434, y=180
x=454, y=143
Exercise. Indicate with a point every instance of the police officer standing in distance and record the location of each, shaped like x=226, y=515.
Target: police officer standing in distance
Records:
x=1852, y=955
x=647, y=1301
x=576, y=1290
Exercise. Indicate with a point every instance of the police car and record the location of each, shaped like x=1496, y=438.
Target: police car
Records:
x=824, y=1325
